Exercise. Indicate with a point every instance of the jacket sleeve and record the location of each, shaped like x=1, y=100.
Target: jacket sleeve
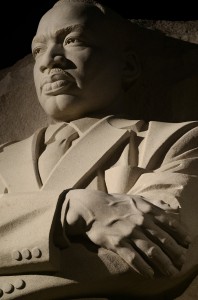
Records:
x=31, y=233
x=170, y=170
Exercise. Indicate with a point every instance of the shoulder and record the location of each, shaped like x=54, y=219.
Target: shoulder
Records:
x=152, y=126
x=124, y=123
x=160, y=135
x=16, y=148
x=173, y=131
x=172, y=126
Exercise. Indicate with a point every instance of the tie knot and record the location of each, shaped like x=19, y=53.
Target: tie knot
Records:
x=65, y=133
x=58, y=132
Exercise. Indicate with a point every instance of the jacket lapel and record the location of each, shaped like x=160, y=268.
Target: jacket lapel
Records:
x=18, y=164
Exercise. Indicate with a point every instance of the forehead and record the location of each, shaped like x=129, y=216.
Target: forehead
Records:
x=71, y=14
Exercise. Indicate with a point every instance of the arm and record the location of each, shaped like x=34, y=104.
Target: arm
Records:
x=163, y=186
x=28, y=226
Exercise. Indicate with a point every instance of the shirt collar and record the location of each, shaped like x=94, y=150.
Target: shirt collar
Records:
x=83, y=124
x=51, y=131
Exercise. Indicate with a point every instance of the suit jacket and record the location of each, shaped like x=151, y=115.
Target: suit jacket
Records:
x=156, y=160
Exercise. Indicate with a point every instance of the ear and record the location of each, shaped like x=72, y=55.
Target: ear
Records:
x=131, y=70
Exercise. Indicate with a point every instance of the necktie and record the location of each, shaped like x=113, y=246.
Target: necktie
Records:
x=58, y=139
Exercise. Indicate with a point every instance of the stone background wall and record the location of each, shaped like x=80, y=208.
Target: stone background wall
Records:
x=167, y=89
x=184, y=30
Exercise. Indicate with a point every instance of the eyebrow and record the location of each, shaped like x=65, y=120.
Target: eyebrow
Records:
x=63, y=31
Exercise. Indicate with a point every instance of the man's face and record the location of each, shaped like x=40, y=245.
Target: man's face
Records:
x=78, y=67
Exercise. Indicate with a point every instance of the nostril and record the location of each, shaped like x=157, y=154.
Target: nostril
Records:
x=42, y=69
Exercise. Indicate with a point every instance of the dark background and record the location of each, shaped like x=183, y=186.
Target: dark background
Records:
x=19, y=20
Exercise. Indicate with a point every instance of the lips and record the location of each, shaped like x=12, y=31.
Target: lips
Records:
x=56, y=82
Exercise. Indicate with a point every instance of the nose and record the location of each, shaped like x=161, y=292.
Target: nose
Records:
x=54, y=57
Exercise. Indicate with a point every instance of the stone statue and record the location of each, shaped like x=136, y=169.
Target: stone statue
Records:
x=96, y=204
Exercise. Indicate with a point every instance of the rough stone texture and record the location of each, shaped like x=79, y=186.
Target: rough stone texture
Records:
x=183, y=30
x=166, y=91
x=20, y=113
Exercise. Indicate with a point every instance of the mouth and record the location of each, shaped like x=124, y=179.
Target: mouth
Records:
x=57, y=82
x=57, y=87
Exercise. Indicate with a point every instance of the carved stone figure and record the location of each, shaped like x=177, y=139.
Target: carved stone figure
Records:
x=96, y=204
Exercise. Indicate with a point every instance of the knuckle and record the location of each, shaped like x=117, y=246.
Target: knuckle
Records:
x=99, y=239
x=112, y=243
x=141, y=244
x=160, y=218
x=151, y=252
x=173, y=223
x=132, y=259
x=116, y=242
x=166, y=241
x=152, y=232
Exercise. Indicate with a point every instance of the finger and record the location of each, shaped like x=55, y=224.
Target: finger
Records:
x=153, y=253
x=74, y=222
x=134, y=259
x=174, y=228
x=146, y=206
x=175, y=252
x=165, y=220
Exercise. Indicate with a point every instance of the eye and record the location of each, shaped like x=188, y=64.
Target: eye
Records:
x=72, y=40
x=36, y=51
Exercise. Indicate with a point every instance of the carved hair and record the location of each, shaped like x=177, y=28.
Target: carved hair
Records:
x=88, y=2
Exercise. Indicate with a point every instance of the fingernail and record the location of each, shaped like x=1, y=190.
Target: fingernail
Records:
x=182, y=259
x=171, y=271
x=188, y=239
x=173, y=224
x=150, y=273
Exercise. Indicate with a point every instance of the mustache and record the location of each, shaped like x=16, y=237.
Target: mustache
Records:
x=57, y=74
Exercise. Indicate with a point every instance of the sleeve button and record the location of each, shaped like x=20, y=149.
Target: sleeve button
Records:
x=1, y=293
x=19, y=284
x=8, y=288
x=26, y=254
x=36, y=252
x=16, y=255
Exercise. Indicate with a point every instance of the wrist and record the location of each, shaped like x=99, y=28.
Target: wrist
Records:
x=76, y=216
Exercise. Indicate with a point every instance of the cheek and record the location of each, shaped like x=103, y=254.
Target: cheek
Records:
x=107, y=74
x=79, y=58
x=106, y=64
x=36, y=79
x=35, y=74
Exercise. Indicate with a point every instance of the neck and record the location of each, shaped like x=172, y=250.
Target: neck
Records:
x=117, y=108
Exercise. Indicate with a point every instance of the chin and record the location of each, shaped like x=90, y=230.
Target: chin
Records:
x=62, y=108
